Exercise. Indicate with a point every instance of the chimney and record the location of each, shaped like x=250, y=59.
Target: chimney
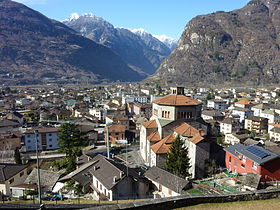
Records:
x=114, y=179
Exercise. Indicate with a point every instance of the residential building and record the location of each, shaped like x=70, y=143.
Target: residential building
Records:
x=11, y=175
x=7, y=125
x=233, y=138
x=269, y=111
x=274, y=133
x=114, y=181
x=80, y=175
x=166, y=184
x=245, y=104
x=242, y=113
x=48, y=179
x=47, y=139
x=230, y=125
x=212, y=115
x=257, y=124
x=217, y=104
x=10, y=141
x=97, y=112
x=253, y=159
x=116, y=132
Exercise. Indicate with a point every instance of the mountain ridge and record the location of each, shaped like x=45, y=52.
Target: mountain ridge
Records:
x=35, y=49
x=142, y=52
x=236, y=47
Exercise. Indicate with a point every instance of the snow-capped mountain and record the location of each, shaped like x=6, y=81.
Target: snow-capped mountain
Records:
x=168, y=41
x=141, y=51
x=150, y=40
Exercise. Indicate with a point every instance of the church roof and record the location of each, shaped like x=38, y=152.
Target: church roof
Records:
x=150, y=124
x=163, y=146
x=154, y=137
x=177, y=100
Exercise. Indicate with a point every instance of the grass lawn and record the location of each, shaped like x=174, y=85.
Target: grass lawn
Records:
x=271, y=204
x=193, y=191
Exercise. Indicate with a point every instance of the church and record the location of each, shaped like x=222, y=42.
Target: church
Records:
x=175, y=115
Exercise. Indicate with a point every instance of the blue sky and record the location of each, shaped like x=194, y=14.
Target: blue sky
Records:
x=167, y=17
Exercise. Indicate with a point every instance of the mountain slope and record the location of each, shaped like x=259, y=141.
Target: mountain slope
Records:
x=34, y=49
x=238, y=47
x=143, y=55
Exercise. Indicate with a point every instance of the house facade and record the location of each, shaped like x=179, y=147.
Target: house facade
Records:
x=47, y=139
x=253, y=159
x=11, y=175
x=229, y=125
x=217, y=104
x=114, y=181
x=257, y=124
x=166, y=184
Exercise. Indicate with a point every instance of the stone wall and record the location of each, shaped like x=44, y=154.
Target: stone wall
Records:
x=188, y=200
x=162, y=203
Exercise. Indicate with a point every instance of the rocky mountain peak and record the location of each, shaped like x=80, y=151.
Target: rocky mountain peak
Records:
x=237, y=47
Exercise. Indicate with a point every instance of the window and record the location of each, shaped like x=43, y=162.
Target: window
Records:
x=50, y=134
x=28, y=141
x=96, y=183
x=109, y=195
x=100, y=187
x=117, y=134
x=105, y=191
x=242, y=165
x=162, y=114
x=254, y=165
x=11, y=180
x=229, y=159
x=28, y=135
x=50, y=145
x=160, y=188
x=21, y=174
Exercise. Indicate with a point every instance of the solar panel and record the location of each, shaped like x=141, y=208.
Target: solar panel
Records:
x=257, y=152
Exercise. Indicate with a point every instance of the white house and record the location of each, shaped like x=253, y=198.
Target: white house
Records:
x=229, y=125
x=217, y=104
x=114, y=181
x=11, y=175
x=166, y=184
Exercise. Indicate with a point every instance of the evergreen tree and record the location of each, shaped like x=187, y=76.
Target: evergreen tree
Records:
x=17, y=156
x=70, y=139
x=177, y=161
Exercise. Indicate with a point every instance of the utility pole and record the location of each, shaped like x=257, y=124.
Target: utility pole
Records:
x=126, y=157
x=38, y=170
x=107, y=141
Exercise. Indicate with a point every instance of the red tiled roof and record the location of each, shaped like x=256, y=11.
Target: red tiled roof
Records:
x=246, y=102
x=177, y=100
x=154, y=137
x=275, y=125
x=186, y=130
x=195, y=135
x=150, y=124
x=163, y=146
